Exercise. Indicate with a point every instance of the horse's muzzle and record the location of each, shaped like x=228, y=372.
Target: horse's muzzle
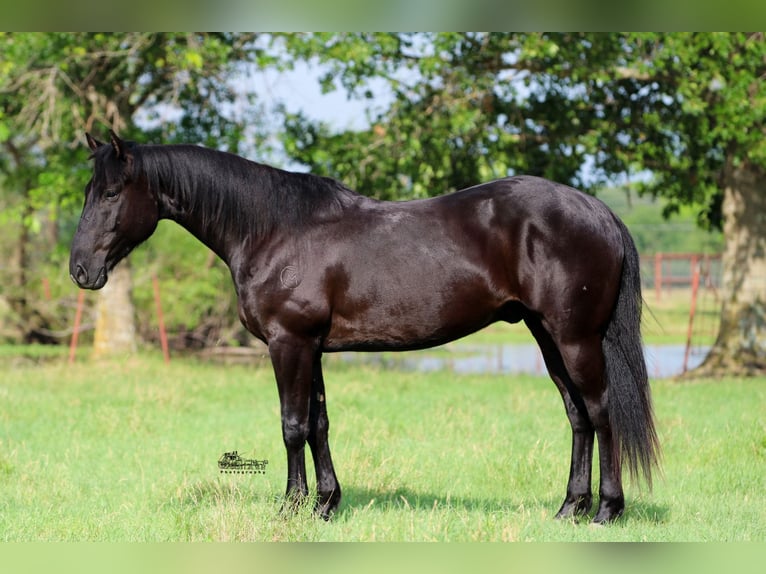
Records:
x=80, y=276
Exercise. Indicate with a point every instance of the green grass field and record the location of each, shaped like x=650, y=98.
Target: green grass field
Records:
x=127, y=451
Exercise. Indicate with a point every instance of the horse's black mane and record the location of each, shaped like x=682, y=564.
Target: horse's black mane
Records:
x=227, y=191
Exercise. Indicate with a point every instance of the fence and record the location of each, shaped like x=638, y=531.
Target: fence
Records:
x=160, y=319
x=696, y=279
x=662, y=271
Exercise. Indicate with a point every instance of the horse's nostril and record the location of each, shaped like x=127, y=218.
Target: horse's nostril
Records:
x=81, y=275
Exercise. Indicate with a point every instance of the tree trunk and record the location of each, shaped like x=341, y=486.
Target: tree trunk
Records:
x=740, y=348
x=115, y=333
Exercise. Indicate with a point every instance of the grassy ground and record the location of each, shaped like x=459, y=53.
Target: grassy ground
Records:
x=127, y=451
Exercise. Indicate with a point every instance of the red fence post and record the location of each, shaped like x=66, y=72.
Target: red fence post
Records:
x=161, y=319
x=658, y=274
x=694, y=267
x=46, y=288
x=692, y=309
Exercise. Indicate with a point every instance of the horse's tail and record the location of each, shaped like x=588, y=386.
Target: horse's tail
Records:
x=629, y=397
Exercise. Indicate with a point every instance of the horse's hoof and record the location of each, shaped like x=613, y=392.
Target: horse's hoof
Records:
x=609, y=510
x=327, y=508
x=574, y=507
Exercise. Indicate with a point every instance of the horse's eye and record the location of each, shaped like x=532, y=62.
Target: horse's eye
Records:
x=111, y=192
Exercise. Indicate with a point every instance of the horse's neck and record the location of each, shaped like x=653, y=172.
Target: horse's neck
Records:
x=212, y=236
x=238, y=207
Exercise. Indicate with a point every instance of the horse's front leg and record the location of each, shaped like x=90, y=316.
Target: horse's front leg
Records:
x=293, y=362
x=328, y=489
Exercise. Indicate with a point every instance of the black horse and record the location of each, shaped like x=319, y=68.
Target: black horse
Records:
x=318, y=268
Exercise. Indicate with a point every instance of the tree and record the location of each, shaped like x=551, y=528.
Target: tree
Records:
x=466, y=107
x=705, y=144
x=54, y=87
x=680, y=116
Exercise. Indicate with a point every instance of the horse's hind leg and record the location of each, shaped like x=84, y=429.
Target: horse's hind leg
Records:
x=328, y=489
x=578, y=496
x=584, y=362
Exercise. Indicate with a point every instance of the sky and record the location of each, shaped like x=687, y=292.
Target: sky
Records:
x=299, y=90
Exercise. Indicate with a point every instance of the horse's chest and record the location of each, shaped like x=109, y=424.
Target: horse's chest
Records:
x=249, y=318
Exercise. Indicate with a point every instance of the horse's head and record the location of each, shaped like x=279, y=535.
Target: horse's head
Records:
x=120, y=212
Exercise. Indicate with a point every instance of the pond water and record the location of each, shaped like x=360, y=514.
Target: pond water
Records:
x=661, y=360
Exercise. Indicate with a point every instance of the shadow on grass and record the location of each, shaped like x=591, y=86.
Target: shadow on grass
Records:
x=355, y=498
x=645, y=512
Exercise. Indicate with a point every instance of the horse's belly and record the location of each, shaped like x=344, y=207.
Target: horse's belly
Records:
x=409, y=323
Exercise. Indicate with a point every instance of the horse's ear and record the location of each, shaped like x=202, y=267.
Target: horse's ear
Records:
x=118, y=145
x=93, y=143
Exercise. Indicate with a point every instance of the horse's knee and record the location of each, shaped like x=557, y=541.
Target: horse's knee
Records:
x=294, y=433
x=598, y=410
